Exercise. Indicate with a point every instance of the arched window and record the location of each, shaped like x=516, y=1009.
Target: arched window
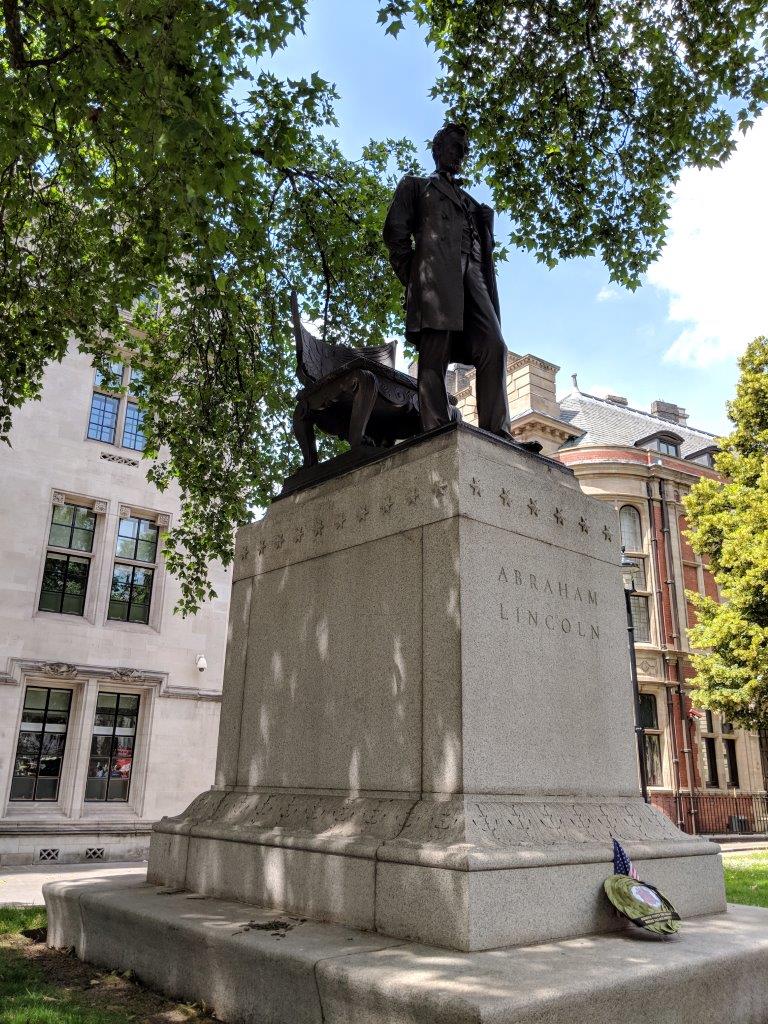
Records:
x=631, y=530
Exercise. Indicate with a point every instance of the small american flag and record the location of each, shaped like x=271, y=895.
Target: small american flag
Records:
x=622, y=865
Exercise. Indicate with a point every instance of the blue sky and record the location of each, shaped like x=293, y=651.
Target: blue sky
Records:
x=616, y=341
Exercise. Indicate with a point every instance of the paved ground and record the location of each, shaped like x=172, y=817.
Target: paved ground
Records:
x=23, y=886
x=733, y=846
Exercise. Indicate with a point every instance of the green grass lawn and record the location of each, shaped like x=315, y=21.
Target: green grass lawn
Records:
x=746, y=877
x=43, y=986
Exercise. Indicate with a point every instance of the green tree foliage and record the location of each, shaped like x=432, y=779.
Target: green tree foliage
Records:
x=150, y=162
x=729, y=527
x=583, y=112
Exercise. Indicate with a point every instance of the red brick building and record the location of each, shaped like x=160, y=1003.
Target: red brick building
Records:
x=707, y=775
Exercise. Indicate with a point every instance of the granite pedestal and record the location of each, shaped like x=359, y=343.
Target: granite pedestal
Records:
x=427, y=737
x=427, y=725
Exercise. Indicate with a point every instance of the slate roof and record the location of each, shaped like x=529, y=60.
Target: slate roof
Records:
x=605, y=422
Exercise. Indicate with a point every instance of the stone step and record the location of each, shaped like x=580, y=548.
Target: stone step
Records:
x=250, y=968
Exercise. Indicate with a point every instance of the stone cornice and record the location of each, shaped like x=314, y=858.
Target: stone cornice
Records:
x=19, y=668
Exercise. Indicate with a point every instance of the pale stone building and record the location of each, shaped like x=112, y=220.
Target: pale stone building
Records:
x=109, y=703
x=706, y=774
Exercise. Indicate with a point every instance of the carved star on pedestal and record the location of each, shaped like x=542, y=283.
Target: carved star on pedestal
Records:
x=475, y=487
x=279, y=540
x=505, y=497
x=439, y=487
x=533, y=508
x=386, y=505
x=262, y=546
x=606, y=533
x=559, y=517
x=319, y=527
x=362, y=513
x=583, y=525
x=413, y=496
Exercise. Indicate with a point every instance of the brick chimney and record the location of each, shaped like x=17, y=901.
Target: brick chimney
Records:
x=670, y=412
x=531, y=386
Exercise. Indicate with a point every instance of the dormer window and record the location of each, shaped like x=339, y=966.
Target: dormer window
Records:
x=664, y=441
x=666, y=447
x=704, y=457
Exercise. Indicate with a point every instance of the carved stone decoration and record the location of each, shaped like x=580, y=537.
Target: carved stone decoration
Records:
x=583, y=525
x=413, y=496
x=123, y=674
x=124, y=512
x=59, y=669
x=262, y=546
x=606, y=533
x=439, y=488
x=559, y=517
x=319, y=527
x=533, y=508
x=163, y=520
x=100, y=507
x=647, y=667
x=386, y=505
x=59, y=498
x=505, y=497
x=120, y=459
x=475, y=487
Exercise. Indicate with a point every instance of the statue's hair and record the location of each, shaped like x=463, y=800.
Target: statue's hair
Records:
x=450, y=128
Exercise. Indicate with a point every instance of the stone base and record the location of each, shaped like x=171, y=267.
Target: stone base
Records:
x=465, y=873
x=218, y=952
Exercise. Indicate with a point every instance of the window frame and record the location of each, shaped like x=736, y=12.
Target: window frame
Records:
x=91, y=557
x=154, y=606
x=119, y=695
x=124, y=397
x=35, y=685
x=730, y=762
x=653, y=733
x=644, y=593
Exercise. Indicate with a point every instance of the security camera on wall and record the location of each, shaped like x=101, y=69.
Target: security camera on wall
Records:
x=201, y=663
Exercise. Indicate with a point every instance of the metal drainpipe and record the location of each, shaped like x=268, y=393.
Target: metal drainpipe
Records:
x=685, y=724
x=663, y=645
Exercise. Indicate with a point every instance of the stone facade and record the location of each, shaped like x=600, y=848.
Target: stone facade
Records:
x=643, y=464
x=85, y=655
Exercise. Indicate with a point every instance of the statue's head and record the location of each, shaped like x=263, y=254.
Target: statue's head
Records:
x=450, y=147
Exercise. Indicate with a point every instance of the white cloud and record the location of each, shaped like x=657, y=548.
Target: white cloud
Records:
x=606, y=294
x=714, y=264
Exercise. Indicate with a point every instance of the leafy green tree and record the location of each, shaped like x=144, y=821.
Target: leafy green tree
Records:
x=151, y=163
x=584, y=112
x=728, y=523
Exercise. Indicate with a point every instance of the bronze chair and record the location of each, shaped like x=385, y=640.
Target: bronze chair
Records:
x=352, y=393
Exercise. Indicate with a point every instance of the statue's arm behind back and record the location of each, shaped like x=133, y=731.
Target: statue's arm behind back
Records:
x=399, y=227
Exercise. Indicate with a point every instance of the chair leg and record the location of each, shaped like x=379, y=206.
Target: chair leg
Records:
x=304, y=432
x=365, y=391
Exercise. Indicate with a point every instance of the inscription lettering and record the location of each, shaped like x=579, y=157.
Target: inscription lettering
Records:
x=571, y=625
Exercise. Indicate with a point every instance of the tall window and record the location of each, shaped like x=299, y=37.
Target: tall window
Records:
x=134, y=570
x=114, y=413
x=112, y=744
x=649, y=720
x=40, y=749
x=632, y=542
x=709, y=752
x=67, y=561
x=133, y=436
x=731, y=765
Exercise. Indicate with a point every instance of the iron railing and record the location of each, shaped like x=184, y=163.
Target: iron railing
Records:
x=717, y=813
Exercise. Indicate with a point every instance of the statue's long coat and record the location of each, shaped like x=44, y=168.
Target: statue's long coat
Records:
x=426, y=211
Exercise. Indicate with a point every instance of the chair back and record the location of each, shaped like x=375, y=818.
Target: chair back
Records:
x=316, y=359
